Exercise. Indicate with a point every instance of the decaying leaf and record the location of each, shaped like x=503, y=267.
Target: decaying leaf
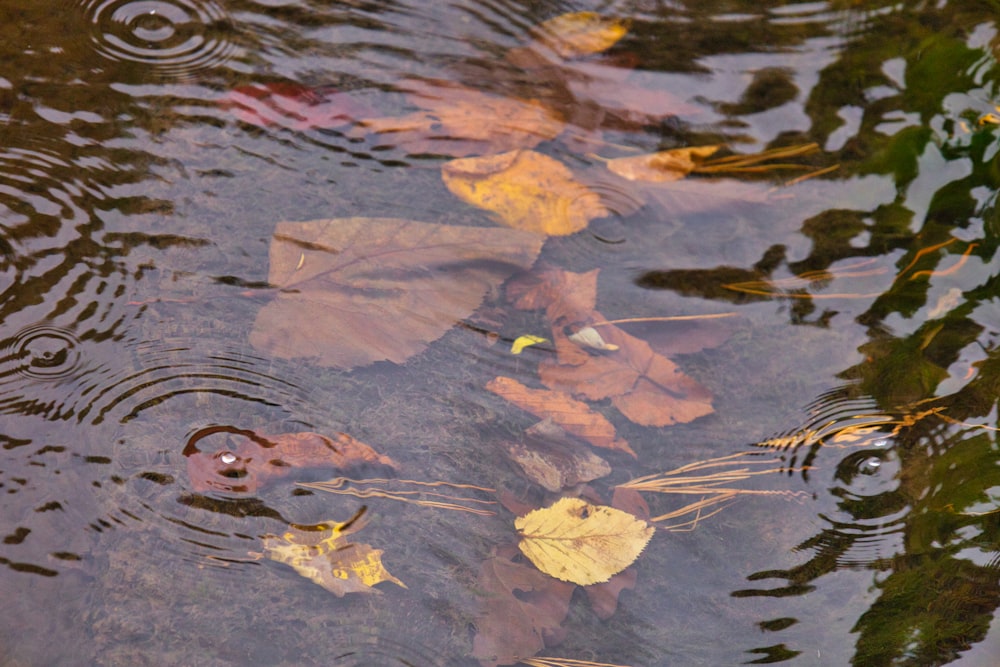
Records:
x=358, y=290
x=526, y=190
x=322, y=554
x=522, y=611
x=460, y=121
x=574, y=416
x=567, y=297
x=573, y=540
x=256, y=459
x=551, y=458
x=661, y=167
x=580, y=33
x=645, y=386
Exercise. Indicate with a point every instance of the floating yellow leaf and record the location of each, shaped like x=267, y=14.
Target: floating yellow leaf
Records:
x=527, y=340
x=580, y=33
x=575, y=541
x=321, y=554
x=661, y=167
x=527, y=190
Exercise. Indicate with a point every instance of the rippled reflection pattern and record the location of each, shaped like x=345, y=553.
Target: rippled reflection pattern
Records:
x=49, y=372
x=176, y=37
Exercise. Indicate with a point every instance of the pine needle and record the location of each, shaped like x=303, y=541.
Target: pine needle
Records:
x=418, y=496
x=565, y=662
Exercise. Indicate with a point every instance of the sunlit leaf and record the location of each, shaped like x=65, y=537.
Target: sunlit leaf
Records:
x=526, y=190
x=573, y=540
x=671, y=165
x=322, y=554
x=580, y=33
x=358, y=290
x=572, y=415
x=460, y=121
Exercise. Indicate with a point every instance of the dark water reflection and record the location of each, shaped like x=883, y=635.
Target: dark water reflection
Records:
x=150, y=146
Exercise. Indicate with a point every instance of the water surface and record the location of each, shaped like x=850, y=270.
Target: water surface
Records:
x=150, y=147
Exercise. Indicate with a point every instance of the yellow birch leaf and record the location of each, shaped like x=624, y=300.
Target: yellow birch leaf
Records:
x=661, y=167
x=321, y=554
x=585, y=544
x=522, y=342
x=580, y=33
x=527, y=190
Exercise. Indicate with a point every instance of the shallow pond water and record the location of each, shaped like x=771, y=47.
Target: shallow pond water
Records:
x=844, y=321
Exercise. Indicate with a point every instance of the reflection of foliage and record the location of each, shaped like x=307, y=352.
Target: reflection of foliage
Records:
x=915, y=81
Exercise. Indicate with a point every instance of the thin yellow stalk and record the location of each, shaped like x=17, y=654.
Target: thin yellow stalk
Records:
x=666, y=318
x=565, y=662
x=340, y=486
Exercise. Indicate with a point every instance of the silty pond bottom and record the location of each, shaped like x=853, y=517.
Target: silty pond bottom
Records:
x=307, y=305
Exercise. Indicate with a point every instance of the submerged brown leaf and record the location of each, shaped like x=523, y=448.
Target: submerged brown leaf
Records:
x=257, y=458
x=574, y=416
x=551, y=458
x=522, y=610
x=567, y=297
x=460, y=121
x=526, y=190
x=359, y=290
x=645, y=386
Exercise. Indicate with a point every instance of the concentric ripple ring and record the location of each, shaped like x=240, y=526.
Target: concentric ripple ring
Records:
x=46, y=352
x=175, y=37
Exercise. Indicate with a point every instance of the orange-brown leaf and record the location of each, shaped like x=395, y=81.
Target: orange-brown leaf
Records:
x=574, y=416
x=252, y=460
x=526, y=190
x=646, y=387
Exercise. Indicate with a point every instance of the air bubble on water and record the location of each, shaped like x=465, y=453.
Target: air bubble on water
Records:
x=870, y=465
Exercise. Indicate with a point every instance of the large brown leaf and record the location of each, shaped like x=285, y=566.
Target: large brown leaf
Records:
x=359, y=290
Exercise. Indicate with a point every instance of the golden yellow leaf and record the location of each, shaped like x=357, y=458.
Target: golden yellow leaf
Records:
x=321, y=554
x=527, y=190
x=661, y=167
x=575, y=541
x=580, y=33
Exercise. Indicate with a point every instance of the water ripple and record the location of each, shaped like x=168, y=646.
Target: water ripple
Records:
x=176, y=37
